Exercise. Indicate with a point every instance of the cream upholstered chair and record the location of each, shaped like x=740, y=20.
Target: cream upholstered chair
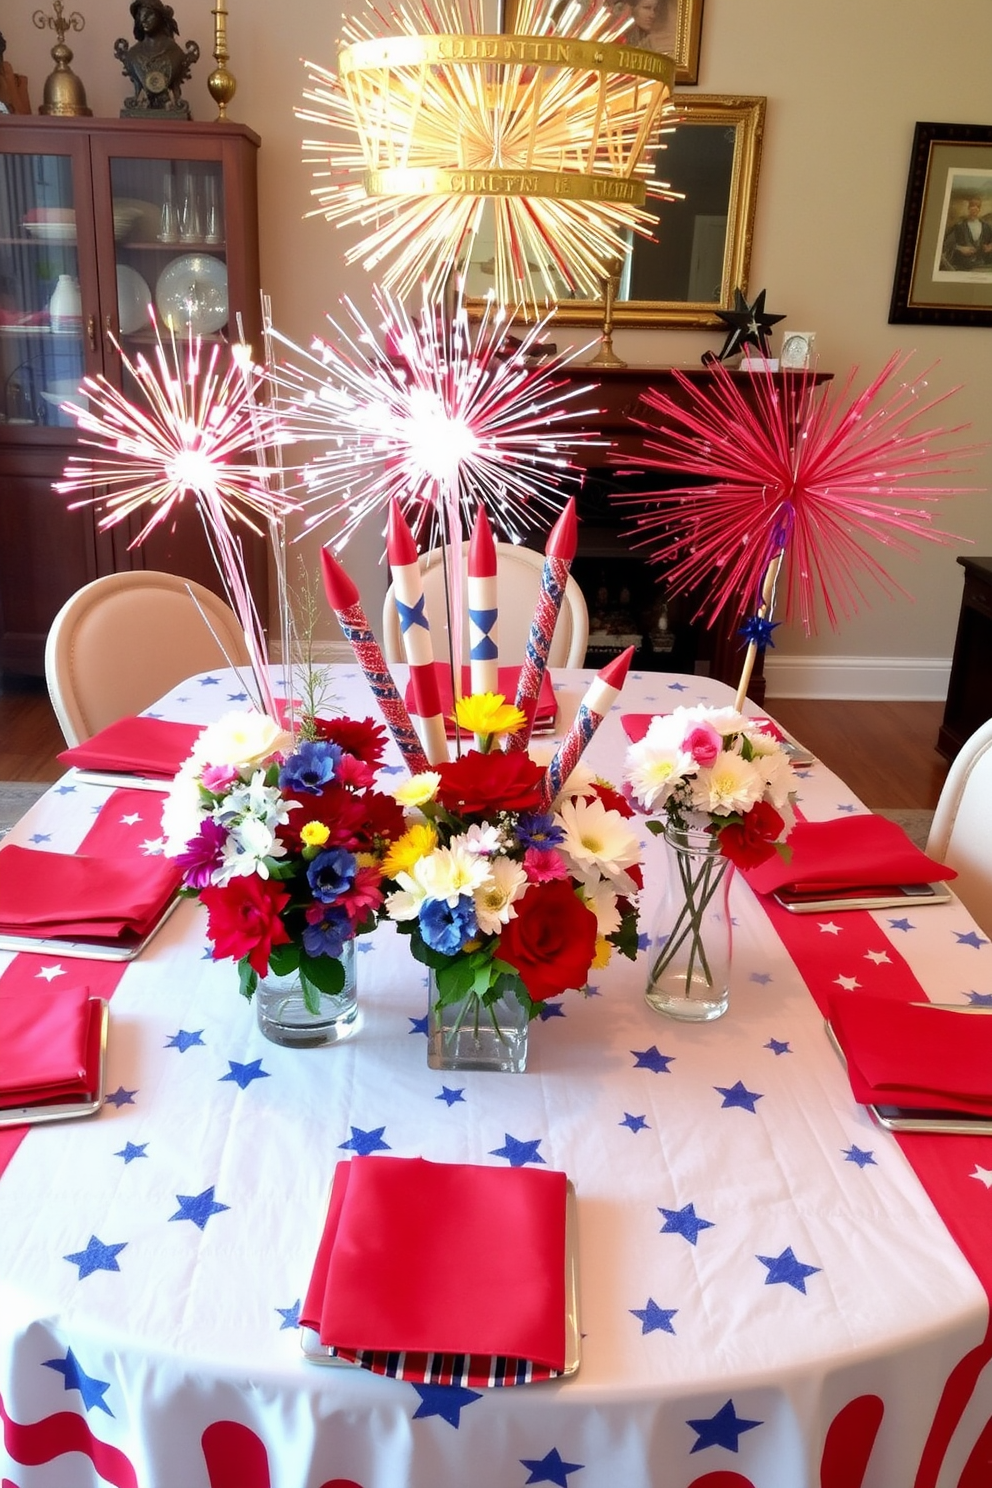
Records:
x=122, y=641
x=518, y=583
x=961, y=834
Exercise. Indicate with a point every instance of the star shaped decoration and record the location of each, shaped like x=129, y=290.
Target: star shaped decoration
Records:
x=747, y=325
x=74, y=1377
x=184, y=1040
x=446, y=1401
x=40, y=837
x=290, y=1315
x=786, y=1270
x=49, y=973
x=684, y=1222
x=518, y=1153
x=722, y=1430
x=419, y=1025
x=636, y=1123
x=880, y=958
x=654, y=1319
x=677, y=687
x=757, y=631
x=153, y=847
x=391, y=769
x=650, y=1059
x=451, y=1097
x=848, y=806
x=209, y=681
x=737, y=1095
x=238, y=697
x=979, y=999
x=130, y=1151
x=856, y=1155
x=902, y=924
x=550, y=1469
x=198, y=1208
x=848, y=983
x=827, y=927
x=96, y=1257
x=131, y=819
x=984, y=1175
x=778, y=1046
x=363, y=947
x=551, y=1010
x=970, y=938
x=65, y=790
x=121, y=1097
x=364, y=1142
x=762, y=978
x=243, y=1074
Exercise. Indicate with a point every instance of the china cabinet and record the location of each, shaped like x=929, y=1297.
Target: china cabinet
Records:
x=99, y=218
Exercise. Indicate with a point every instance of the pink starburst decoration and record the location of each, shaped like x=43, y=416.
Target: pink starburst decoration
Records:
x=792, y=467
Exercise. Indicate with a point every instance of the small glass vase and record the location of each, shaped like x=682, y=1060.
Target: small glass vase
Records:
x=284, y=1017
x=468, y=1036
x=690, y=948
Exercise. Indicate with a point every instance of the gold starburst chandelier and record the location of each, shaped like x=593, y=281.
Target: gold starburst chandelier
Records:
x=549, y=128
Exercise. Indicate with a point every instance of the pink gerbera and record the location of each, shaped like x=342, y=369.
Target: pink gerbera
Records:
x=543, y=865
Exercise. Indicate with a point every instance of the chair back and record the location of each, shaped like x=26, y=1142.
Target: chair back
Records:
x=961, y=833
x=518, y=583
x=122, y=641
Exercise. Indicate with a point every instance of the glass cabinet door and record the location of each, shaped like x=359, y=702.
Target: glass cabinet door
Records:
x=42, y=355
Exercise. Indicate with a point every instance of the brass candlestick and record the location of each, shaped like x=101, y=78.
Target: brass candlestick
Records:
x=64, y=94
x=606, y=356
x=221, y=85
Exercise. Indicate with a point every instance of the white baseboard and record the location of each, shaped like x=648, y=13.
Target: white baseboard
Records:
x=918, y=679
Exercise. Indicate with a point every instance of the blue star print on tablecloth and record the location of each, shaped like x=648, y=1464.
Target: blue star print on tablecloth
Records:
x=198, y=1208
x=96, y=1257
x=722, y=1430
x=209, y=681
x=451, y=1097
x=551, y=1468
x=518, y=1153
x=419, y=1025
x=237, y=697
x=290, y=1315
x=979, y=999
x=243, y=1074
x=184, y=1040
x=75, y=1378
x=684, y=1222
x=970, y=938
x=762, y=978
x=130, y=1151
x=650, y=1059
x=778, y=1046
x=364, y=1142
x=446, y=1401
x=738, y=1095
x=786, y=1270
x=856, y=1155
x=121, y=1097
x=902, y=924
x=636, y=1123
x=653, y=1318
x=40, y=837
x=551, y=1010
x=65, y=790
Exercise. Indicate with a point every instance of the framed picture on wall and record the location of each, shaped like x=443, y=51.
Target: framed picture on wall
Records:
x=944, y=269
x=670, y=26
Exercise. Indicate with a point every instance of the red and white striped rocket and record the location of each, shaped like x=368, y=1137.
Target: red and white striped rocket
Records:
x=408, y=591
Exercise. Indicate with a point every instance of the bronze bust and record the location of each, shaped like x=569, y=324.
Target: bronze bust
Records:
x=156, y=64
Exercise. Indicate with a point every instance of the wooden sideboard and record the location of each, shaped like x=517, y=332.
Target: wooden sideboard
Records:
x=969, y=691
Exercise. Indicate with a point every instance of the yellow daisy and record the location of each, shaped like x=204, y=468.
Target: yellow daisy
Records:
x=314, y=834
x=488, y=713
x=418, y=790
x=417, y=841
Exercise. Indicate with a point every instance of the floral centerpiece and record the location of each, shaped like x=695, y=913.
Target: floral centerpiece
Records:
x=507, y=903
x=282, y=840
x=723, y=784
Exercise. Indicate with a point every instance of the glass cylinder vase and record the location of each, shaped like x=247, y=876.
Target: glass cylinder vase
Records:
x=690, y=947
x=284, y=1017
x=467, y=1035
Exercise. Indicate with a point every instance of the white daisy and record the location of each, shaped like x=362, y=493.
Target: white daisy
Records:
x=495, y=896
x=730, y=784
x=596, y=837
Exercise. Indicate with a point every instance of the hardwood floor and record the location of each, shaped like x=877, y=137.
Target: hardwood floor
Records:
x=884, y=751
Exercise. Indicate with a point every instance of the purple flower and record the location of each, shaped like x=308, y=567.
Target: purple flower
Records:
x=203, y=854
x=535, y=829
x=311, y=767
x=327, y=930
x=446, y=928
x=332, y=874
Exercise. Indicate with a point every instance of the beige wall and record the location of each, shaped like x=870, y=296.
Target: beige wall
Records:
x=845, y=82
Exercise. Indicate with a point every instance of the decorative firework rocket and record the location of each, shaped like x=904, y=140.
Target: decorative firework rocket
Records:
x=602, y=693
x=415, y=629
x=558, y=555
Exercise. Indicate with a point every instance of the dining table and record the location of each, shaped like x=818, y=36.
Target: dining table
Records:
x=773, y=1291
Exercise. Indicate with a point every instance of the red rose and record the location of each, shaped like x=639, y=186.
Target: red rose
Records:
x=751, y=840
x=482, y=784
x=552, y=940
x=244, y=919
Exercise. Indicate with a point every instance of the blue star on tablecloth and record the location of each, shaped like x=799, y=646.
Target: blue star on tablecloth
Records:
x=419, y=1025
x=778, y=1046
x=738, y=1095
x=786, y=1270
x=391, y=769
x=184, y=1040
x=75, y=1378
x=857, y=1155
x=848, y=806
x=209, y=681
x=518, y=1153
x=971, y=938
x=651, y=1059
x=290, y=1315
x=677, y=687
x=121, y=1097
x=979, y=999
x=237, y=697
x=551, y=1010
x=446, y=1401
x=130, y=1151
x=902, y=924
x=40, y=837
x=65, y=790
x=653, y=1318
x=722, y=1430
x=761, y=977
x=243, y=1074
x=364, y=1142
x=198, y=1208
x=636, y=1123
x=684, y=1222
x=551, y=1468
x=450, y=1096
x=96, y=1257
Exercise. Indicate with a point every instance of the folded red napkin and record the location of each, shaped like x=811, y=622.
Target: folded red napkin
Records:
x=47, y=1049
x=636, y=725
x=547, y=707
x=922, y=1057
x=426, y=1257
x=151, y=747
x=96, y=898
x=849, y=852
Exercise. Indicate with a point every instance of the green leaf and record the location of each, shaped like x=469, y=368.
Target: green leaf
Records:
x=655, y=827
x=247, y=979
x=280, y=869
x=284, y=959
x=325, y=973
x=625, y=939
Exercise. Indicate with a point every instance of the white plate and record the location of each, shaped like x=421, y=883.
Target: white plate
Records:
x=191, y=294
x=145, y=216
x=133, y=299
x=52, y=232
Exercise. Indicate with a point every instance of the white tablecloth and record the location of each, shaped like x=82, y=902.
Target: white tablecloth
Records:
x=753, y=1252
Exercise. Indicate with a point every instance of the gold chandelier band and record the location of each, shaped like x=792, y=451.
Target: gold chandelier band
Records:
x=412, y=181
x=526, y=51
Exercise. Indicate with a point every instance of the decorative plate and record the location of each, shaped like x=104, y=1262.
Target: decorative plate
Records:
x=191, y=295
x=133, y=299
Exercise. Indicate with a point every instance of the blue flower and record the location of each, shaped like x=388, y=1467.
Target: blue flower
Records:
x=311, y=767
x=326, y=936
x=447, y=929
x=534, y=829
x=331, y=874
